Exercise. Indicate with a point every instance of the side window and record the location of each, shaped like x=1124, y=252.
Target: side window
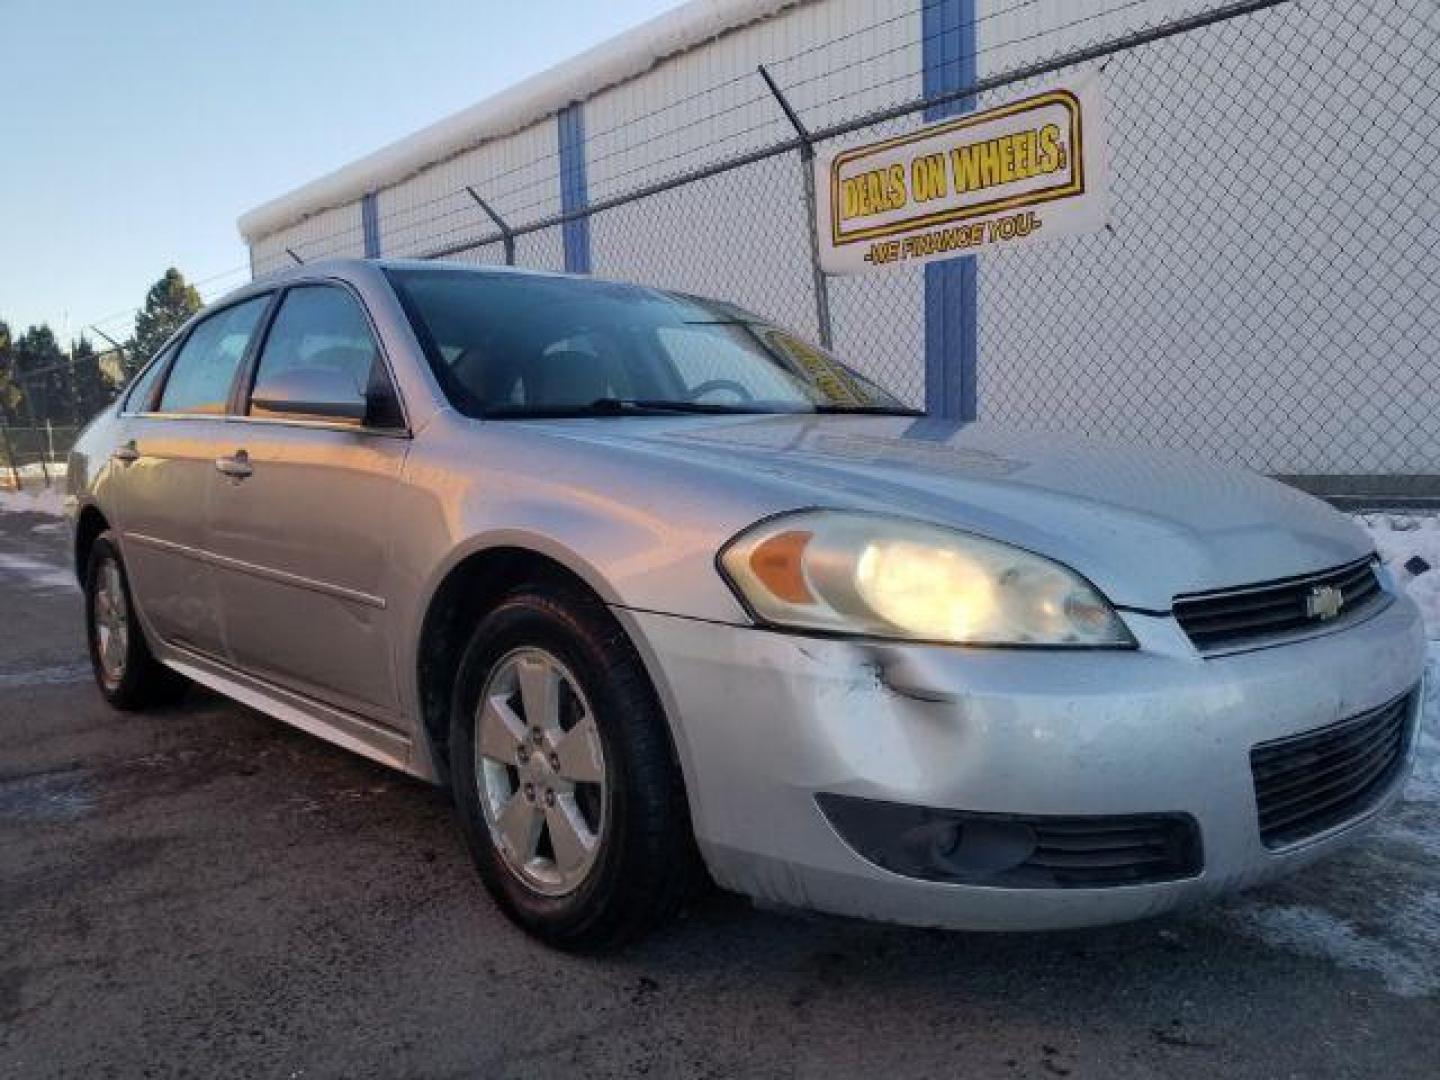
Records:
x=320, y=339
x=141, y=395
x=200, y=378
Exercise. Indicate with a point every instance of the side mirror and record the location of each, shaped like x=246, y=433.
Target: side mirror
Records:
x=322, y=393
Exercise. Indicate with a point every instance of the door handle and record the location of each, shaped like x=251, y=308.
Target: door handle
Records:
x=126, y=453
x=237, y=466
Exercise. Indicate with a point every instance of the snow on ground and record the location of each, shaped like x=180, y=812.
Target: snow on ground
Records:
x=1402, y=538
x=1400, y=942
x=35, y=499
x=36, y=573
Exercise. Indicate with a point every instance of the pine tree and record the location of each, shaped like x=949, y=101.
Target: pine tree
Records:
x=168, y=304
x=44, y=375
x=11, y=395
x=92, y=390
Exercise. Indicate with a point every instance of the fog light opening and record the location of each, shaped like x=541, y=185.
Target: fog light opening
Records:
x=968, y=849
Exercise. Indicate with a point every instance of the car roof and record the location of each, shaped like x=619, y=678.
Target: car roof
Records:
x=354, y=268
x=362, y=271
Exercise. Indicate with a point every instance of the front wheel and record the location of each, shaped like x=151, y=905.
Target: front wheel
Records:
x=563, y=774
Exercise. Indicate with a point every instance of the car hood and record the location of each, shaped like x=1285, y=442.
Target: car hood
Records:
x=1143, y=525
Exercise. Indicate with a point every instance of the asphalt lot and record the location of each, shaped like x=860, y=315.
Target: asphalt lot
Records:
x=204, y=892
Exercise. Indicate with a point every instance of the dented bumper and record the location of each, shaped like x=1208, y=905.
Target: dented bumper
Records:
x=765, y=723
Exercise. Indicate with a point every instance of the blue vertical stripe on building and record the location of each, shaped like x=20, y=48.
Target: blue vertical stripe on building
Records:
x=951, y=287
x=573, y=193
x=370, y=225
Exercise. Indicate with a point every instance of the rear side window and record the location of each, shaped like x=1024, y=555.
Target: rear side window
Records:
x=141, y=395
x=201, y=376
x=319, y=328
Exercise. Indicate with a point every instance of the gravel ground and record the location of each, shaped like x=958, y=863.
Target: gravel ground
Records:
x=204, y=892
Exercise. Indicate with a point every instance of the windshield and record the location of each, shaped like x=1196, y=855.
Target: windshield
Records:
x=517, y=345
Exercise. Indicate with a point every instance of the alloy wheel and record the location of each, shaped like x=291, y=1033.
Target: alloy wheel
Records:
x=540, y=769
x=111, y=622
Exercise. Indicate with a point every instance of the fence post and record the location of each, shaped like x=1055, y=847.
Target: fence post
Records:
x=35, y=427
x=807, y=168
x=507, y=235
x=370, y=224
x=952, y=306
x=10, y=455
x=574, y=188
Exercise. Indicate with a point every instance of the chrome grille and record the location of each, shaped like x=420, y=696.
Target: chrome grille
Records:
x=1308, y=783
x=1233, y=618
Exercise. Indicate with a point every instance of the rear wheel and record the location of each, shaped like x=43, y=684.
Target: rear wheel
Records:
x=126, y=672
x=563, y=774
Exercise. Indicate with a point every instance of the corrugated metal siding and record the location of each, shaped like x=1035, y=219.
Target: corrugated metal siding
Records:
x=829, y=56
x=516, y=175
x=739, y=236
x=1204, y=226
x=1122, y=333
x=1011, y=35
x=333, y=234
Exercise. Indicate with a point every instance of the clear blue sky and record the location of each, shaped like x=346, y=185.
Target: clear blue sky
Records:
x=133, y=134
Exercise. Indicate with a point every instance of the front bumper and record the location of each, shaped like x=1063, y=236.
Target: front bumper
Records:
x=765, y=722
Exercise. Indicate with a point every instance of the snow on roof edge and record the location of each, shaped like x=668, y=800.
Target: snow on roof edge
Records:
x=581, y=77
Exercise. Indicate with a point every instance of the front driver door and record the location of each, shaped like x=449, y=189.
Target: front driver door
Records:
x=303, y=532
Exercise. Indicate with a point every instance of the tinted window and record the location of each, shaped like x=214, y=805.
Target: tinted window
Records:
x=141, y=394
x=504, y=344
x=319, y=328
x=200, y=378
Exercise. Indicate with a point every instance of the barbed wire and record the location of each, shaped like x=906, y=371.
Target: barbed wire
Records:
x=325, y=245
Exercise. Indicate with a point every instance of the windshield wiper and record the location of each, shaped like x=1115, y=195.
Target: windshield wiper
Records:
x=623, y=405
x=871, y=410
x=610, y=406
x=666, y=405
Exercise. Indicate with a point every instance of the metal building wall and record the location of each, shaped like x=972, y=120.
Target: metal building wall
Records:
x=738, y=235
x=1248, y=271
x=338, y=234
x=1151, y=331
x=515, y=175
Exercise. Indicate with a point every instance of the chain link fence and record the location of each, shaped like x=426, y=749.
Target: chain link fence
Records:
x=1267, y=291
x=34, y=456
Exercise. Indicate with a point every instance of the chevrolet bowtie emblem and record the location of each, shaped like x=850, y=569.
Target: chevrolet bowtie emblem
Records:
x=1324, y=602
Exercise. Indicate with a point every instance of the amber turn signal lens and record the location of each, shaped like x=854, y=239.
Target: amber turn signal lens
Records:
x=779, y=564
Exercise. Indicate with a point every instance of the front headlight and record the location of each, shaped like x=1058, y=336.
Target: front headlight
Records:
x=865, y=574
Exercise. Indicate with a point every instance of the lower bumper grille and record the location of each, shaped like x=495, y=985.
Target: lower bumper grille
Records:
x=1306, y=784
x=1017, y=851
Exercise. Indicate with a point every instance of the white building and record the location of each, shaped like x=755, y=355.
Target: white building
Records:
x=1266, y=291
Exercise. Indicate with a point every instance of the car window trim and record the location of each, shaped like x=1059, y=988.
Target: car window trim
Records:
x=158, y=394
x=244, y=387
x=160, y=360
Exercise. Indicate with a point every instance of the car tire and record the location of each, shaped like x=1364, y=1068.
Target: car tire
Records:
x=643, y=862
x=126, y=671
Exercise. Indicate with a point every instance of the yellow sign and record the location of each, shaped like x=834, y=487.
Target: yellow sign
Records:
x=1032, y=169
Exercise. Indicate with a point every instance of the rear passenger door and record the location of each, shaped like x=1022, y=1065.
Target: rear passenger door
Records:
x=304, y=535
x=165, y=477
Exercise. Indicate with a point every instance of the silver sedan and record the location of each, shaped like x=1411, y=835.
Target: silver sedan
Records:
x=662, y=591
